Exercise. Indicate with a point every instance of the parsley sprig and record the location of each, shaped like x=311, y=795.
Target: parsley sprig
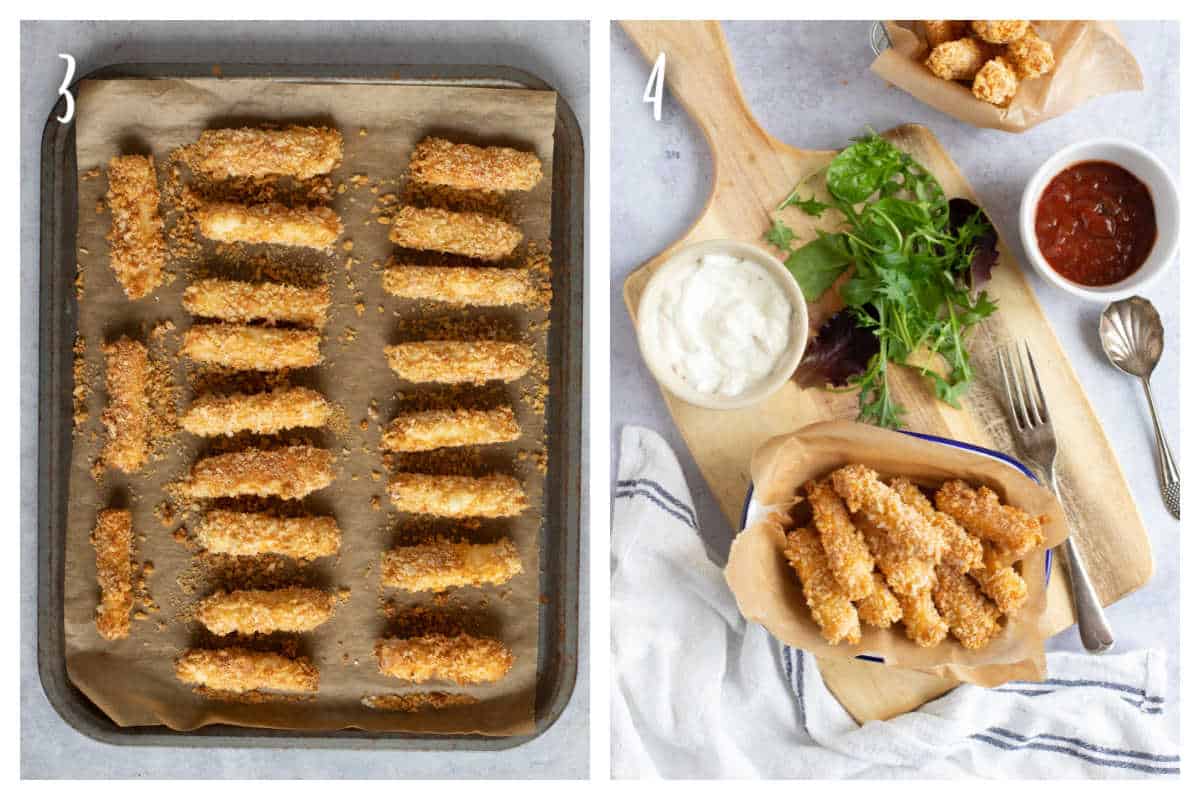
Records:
x=913, y=258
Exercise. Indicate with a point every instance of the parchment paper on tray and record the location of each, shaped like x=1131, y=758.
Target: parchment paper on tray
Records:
x=1091, y=58
x=132, y=680
x=769, y=593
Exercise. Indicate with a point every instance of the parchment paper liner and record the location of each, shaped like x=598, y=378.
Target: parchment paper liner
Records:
x=132, y=680
x=1091, y=58
x=769, y=593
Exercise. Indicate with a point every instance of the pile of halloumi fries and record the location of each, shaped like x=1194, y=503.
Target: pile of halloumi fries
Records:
x=878, y=553
x=993, y=55
x=274, y=328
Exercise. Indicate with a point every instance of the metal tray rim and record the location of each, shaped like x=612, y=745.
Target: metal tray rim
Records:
x=567, y=220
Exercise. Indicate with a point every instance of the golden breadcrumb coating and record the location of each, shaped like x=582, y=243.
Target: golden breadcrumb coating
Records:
x=239, y=533
x=470, y=286
x=958, y=60
x=417, y=701
x=242, y=301
x=463, y=659
x=264, y=412
x=465, y=233
x=302, y=152
x=442, y=564
x=999, y=581
x=464, y=166
x=137, y=251
x=880, y=608
x=973, y=619
x=492, y=495
x=459, y=362
x=316, y=227
x=1031, y=56
x=458, y=427
x=238, y=670
x=251, y=348
x=996, y=82
x=983, y=515
x=287, y=472
x=113, y=540
x=922, y=622
x=294, y=609
x=849, y=559
x=906, y=575
x=832, y=610
x=126, y=419
x=999, y=31
x=910, y=532
x=938, y=31
x=963, y=551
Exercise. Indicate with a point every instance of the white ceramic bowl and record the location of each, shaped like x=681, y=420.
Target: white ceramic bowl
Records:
x=1147, y=168
x=669, y=272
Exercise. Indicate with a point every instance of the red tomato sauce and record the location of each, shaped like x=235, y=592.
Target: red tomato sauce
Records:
x=1095, y=223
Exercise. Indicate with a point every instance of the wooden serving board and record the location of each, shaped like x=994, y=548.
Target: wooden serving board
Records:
x=752, y=173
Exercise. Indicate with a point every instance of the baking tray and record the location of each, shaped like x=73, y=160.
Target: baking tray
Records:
x=558, y=645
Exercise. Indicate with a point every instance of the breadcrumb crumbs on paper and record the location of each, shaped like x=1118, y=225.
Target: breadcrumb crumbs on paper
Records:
x=417, y=701
x=81, y=388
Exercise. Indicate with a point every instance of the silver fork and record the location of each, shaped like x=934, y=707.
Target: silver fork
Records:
x=1034, y=433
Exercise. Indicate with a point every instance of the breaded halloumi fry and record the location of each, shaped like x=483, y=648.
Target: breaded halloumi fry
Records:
x=464, y=233
x=938, y=31
x=906, y=575
x=973, y=619
x=465, y=166
x=1031, y=56
x=126, y=419
x=287, y=472
x=238, y=670
x=458, y=427
x=963, y=551
x=832, y=610
x=999, y=581
x=315, y=227
x=471, y=286
x=999, y=31
x=982, y=514
x=459, y=362
x=417, y=701
x=137, y=251
x=441, y=564
x=299, y=151
x=880, y=608
x=909, y=532
x=849, y=559
x=463, y=658
x=996, y=82
x=958, y=60
x=457, y=496
x=263, y=412
x=248, y=347
x=243, y=301
x=922, y=622
x=112, y=539
x=294, y=609
x=239, y=533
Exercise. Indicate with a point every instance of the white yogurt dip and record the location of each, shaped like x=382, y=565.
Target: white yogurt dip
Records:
x=722, y=324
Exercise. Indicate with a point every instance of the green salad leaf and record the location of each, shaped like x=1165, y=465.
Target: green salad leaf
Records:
x=914, y=268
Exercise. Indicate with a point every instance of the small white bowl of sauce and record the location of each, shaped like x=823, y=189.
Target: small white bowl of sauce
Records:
x=1100, y=219
x=722, y=324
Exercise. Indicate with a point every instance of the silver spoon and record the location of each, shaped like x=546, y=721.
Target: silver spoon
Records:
x=1132, y=336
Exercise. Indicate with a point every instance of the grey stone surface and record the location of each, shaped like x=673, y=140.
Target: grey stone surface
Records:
x=558, y=53
x=808, y=83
